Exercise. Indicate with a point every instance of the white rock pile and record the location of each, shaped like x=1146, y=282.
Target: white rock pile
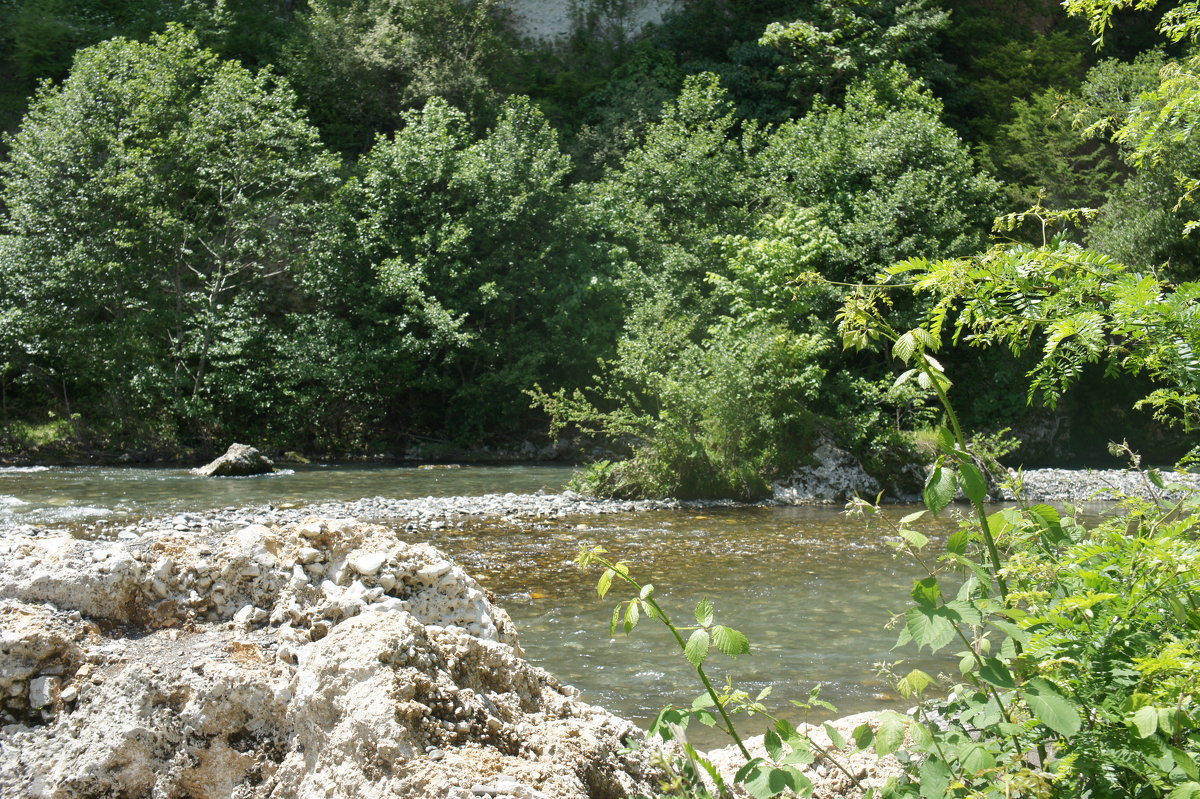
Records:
x=326, y=658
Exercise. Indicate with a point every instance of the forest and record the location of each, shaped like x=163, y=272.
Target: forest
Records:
x=348, y=227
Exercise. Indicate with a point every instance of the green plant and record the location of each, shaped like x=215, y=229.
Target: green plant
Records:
x=787, y=747
x=1078, y=646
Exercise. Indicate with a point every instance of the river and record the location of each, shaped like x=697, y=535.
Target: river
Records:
x=811, y=588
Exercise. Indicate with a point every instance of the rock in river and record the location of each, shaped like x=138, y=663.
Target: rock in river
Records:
x=239, y=460
x=322, y=659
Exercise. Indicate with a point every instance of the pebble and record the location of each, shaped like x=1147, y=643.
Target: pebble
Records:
x=435, y=513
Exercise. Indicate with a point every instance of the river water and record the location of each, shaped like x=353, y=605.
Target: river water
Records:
x=811, y=588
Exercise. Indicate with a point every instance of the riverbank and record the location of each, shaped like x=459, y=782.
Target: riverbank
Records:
x=326, y=658
x=433, y=513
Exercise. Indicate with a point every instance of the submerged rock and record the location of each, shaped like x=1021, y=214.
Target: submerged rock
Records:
x=327, y=659
x=239, y=460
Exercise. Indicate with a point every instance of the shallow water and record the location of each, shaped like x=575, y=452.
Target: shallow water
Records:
x=41, y=495
x=811, y=588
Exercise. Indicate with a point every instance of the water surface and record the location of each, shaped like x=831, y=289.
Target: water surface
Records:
x=42, y=495
x=813, y=589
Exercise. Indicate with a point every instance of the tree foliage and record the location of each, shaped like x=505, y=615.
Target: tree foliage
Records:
x=159, y=200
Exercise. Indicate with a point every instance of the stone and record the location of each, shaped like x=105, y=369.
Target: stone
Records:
x=368, y=563
x=239, y=460
x=43, y=691
x=870, y=771
x=836, y=477
x=357, y=691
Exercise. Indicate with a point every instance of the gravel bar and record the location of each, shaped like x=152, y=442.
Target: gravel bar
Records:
x=439, y=513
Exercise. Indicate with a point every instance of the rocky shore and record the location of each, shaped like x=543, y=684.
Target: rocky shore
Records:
x=438, y=513
x=324, y=658
x=267, y=652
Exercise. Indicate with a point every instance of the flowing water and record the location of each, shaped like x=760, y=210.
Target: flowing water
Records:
x=811, y=588
x=56, y=495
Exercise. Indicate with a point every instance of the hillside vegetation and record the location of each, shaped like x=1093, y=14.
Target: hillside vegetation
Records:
x=353, y=226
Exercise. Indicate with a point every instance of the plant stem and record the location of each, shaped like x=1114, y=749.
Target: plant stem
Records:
x=980, y=513
x=712, y=693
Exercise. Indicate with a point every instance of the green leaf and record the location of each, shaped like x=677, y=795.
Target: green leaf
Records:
x=939, y=488
x=835, y=737
x=1187, y=790
x=616, y=619
x=707, y=765
x=704, y=612
x=935, y=778
x=730, y=641
x=863, y=736
x=1145, y=721
x=667, y=719
x=904, y=347
x=774, y=745
x=632, y=614
x=916, y=540
x=928, y=627
x=1048, y=519
x=605, y=582
x=914, y=683
x=912, y=517
x=1051, y=708
x=996, y=673
x=696, y=649
x=646, y=591
x=763, y=781
x=890, y=734
x=1155, y=477
x=1185, y=762
x=974, y=758
x=957, y=543
x=1012, y=630
x=972, y=482
x=926, y=592
x=946, y=441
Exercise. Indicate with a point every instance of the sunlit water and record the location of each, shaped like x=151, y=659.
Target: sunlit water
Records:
x=41, y=495
x=813, y=589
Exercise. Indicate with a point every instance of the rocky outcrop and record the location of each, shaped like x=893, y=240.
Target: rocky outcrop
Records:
x=239, y=460
x=327, y=658
x=855, y=773
x=548, y=20
x=836, y=476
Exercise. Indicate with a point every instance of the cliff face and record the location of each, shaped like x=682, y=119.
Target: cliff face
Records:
x=547, y=20
x=321, y=659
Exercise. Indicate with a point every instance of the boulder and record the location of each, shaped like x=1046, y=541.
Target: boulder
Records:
x=323, y=659
x=239, y=460
x=837, y=476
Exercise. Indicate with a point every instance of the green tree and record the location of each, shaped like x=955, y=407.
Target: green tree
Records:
x=1157, y=131
x=359, y=65
x=885, y=174
x=837, y=43
x=471, y=248
x=159, y=200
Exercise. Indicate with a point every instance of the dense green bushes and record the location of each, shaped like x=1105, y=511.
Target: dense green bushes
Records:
x=185, y=260
x=159, y=201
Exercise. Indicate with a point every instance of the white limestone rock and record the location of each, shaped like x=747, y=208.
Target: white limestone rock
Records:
x=228, y=672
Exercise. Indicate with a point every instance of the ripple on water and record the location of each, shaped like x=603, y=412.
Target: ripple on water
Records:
x=7, y=502
x=24, y=469
x=70, y=513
